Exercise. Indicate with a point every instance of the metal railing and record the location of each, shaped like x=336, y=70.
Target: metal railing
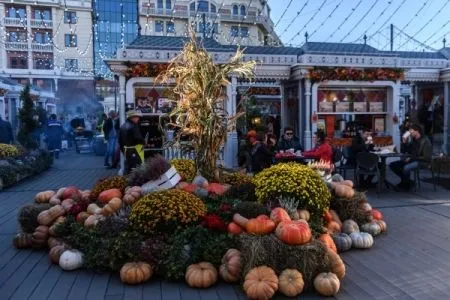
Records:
x=42, y=47
x=16, y=46
x=8, y=21
x=41, y=23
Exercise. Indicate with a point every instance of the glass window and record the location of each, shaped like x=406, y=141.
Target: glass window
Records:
x=234, y=31
x=71, y=64
x=70, y=17
x=159, y=26
x=243, y=10
x=70, y=40
x=22, y=36
x=43, y=63
x=159, y=4
x=235, y=10
x=47, y=37
x=11, y=12
x=46, y=15
x=21, y=13
x=192, y=6
x=18, y=63
x=170, y=27
x=168, y=4
x=215, y=28
x=203, y=6
x=213, y=8
x=12, y=36
x=244, y=31
x=38, y=38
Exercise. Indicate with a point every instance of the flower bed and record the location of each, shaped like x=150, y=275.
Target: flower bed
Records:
x=283, y=239
x=18, y=165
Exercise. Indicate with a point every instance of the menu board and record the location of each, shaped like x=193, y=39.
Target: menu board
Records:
x=378, y=125
x=325, y=106
x=342, y=107
x=376, y=106
x=360, y=106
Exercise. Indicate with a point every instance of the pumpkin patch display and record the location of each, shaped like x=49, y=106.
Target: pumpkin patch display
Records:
x=294, y=232
x=201, y=275
x=291, y=283
x=261, y=283
x=135, y=272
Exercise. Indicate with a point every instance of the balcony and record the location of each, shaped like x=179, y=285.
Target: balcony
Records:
x=16, y=22
x=160, y=12
x=18, y=46
x=35, y=23
x=41, y=47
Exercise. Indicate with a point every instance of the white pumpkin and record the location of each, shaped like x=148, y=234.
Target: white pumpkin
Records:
x=71, y=260
x=373, y=228
x=361, y=240
x=349, y=226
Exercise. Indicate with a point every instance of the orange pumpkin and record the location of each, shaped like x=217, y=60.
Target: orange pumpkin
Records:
x=107, y=195
x=337, y=265
x=261, y=283
x=348, y=183
x=71, y=192
x=262, y=217
x=135, y=272
x=216, y=188
x=240, y=220
x=201, y=275
x=377, y=215
x=190, y=188
x=294, y=232
x=256, y=226
x=234, y=228
x=335, y=217
x=334, y=227
x=327, y=216
x=279, y=215
x=291, y=282
x=328, y=241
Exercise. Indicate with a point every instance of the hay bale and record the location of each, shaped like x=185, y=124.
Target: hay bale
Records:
x=27, y=216
x=259, y=250
x=351, y=208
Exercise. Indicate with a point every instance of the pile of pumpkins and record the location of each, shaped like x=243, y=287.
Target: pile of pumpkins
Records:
x=201, y=188
x=65, y=201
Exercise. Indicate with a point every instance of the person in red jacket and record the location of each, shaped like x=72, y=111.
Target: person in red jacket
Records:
x=322, y=151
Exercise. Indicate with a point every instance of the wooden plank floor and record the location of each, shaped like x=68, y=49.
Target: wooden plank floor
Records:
x=409, y=262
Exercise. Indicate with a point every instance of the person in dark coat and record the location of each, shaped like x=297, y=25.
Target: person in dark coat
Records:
x=131, y=142
x=6, y=134
x=261, y=156
x=362, y=142
x=289, y=141
x=54, y=134
x=111, y=129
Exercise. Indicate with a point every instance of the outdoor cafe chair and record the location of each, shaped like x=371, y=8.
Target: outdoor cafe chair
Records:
x=340, y=159
x=367, y=164
x=429, y=167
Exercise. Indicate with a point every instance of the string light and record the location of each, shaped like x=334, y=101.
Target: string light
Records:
x=388, y=19
x=295, y=18
x=284, y=12
x=376, y=20
x=359, y=21
x=309, y=21
x=345, y=20
x=329, y=17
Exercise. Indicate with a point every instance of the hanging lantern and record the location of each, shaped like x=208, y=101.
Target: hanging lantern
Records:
x=314, y=117
x=395, y=118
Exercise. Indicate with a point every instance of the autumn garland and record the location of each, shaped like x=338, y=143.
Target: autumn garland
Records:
x=144, y=69
x=349, y=74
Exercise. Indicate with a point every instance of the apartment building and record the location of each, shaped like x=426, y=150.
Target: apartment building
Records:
x=47, y=43
x=242, y=22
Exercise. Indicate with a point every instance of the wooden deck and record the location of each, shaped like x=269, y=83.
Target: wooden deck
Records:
x=410, y=262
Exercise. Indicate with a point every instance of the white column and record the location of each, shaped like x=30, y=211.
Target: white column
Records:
x=308, y=136
x=231, y=144
x=299, y=108
x=283, y=105
x=30, y=37
x=395, y=111
x=122, y=114
x=446, y=117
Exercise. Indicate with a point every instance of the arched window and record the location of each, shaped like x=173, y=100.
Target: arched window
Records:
x=203, y=6
x=168, y=4
x=213, y=8
x=243, y=10
x=235, y=10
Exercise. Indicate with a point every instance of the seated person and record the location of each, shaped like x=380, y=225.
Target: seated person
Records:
x=421, y=152
x=322, y=150
x=362, y=142
x=261, y=156
x=289, y=141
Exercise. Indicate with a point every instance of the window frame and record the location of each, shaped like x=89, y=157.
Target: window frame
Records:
x=69, y=66
x=161, y=23
x=172, y=24
x=70, y=17
x=72, y=42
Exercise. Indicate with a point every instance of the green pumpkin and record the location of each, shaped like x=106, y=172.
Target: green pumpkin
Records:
x=373, y=228
x=361, y=240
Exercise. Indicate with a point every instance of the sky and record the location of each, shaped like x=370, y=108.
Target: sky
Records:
x=418, y=23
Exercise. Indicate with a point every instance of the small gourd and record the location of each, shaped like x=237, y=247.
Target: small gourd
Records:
x=135, y=272
x=291, y=283
x=261, y=283
x=55, y=253
x=44, y=197
x=327, y=284
x=71, y=260
x=373, y=228
x=349, y=226
x=342, y=241
x=337, y=266
x=40, y=237
x=303, y=214
x=94, y=209
x=382, y=224
x=327, y=240
x=230, y=270
x=361, y=240
x=201, y=275
x=47, y=217
x=22, y=240
x=113, y=205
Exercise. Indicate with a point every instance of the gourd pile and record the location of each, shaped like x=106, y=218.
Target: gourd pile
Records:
x=260, y=232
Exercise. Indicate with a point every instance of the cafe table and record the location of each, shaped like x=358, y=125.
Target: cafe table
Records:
x=383, y=156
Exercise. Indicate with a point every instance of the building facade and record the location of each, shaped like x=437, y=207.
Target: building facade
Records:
x=46, y=43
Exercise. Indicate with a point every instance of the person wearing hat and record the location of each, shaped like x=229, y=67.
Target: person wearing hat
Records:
x=131, y=141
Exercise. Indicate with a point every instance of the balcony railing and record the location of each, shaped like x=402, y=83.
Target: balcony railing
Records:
x=42, y=47
x=41, y=23
x=21, y=46
x=7, y=21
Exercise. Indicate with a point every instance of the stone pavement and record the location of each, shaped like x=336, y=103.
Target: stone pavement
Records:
x=409, y=262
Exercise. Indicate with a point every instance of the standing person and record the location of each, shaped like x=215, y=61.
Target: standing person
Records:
x=362, y=142
x=131, y=141
x=289, y=141
x=54, y=135
x=322, y=150
x=6, y=134
x=261, y=157
x=111, y=128
x=421, y=153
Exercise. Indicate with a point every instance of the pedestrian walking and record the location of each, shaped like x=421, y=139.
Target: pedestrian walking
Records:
x=111, y=129
x=6, y=134
x=54, y=134
x=131, y=141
